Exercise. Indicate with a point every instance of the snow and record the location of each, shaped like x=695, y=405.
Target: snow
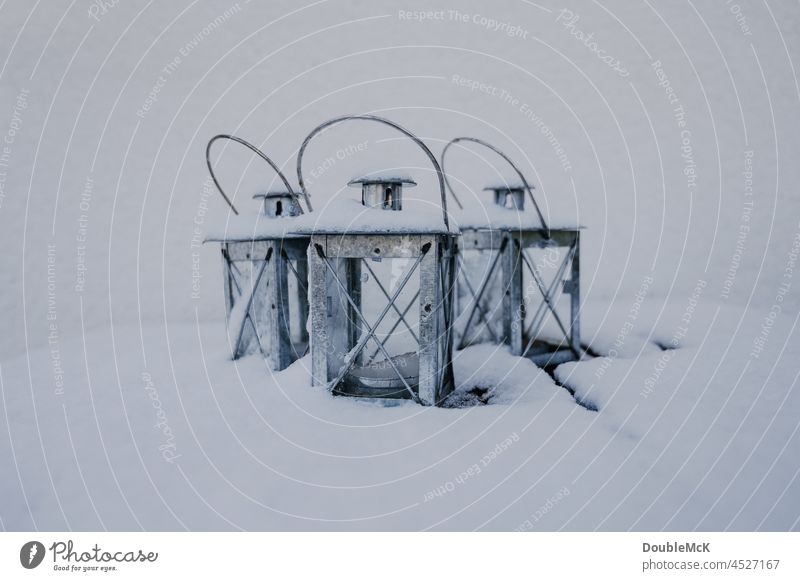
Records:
x=504, y=185
x=382, y=178
x=710, y=447
x=340, y=216
x=119, y=405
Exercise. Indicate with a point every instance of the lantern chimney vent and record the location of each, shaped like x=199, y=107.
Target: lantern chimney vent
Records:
x=509, y=196
x=279, y=204
x=383, y=192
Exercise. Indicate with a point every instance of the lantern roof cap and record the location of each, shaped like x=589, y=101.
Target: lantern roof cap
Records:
x=405, y=181
x=504, y=186
x=276, y=192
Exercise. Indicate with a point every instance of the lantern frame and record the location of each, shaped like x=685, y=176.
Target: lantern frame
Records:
x=340, y=331
x=507, y=247
x=256, y=270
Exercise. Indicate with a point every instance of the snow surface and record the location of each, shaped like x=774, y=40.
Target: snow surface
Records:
x=119, y=405
x=205, y=443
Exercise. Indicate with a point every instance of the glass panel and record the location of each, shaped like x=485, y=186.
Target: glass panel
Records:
x=548, y=263
x=485, y=320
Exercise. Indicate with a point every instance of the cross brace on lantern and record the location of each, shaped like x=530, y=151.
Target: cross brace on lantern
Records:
x=257, y=298
x=510, y=256
x=265, y=313
x=342, y=332
x=501, y=236
x=346, y=319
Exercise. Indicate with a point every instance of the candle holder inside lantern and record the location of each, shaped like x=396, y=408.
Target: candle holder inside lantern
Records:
x=265, y=273
x=511, y=272
x=380, y=291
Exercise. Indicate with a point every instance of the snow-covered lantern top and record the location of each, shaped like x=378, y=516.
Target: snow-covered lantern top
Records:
x=382, y=192
x=265, y=274
x=380, y=289
x=279, y=203
x=508, y=196
x=515, y=307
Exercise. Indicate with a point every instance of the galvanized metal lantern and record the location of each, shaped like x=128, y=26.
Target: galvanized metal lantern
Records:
x=503, y=294
x=265, y=278
x=381, y=292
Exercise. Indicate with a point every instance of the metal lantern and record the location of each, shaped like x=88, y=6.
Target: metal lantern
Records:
x=381, y=299
x=503, y=295
x=265, y=278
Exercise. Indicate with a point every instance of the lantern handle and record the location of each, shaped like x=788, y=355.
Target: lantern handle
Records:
x=258, y=152
x=385, y=121
x=525, y=183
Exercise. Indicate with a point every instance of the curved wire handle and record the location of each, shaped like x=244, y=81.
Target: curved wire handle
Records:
x=258, y=152
x=525, y=183
x=385, y=121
